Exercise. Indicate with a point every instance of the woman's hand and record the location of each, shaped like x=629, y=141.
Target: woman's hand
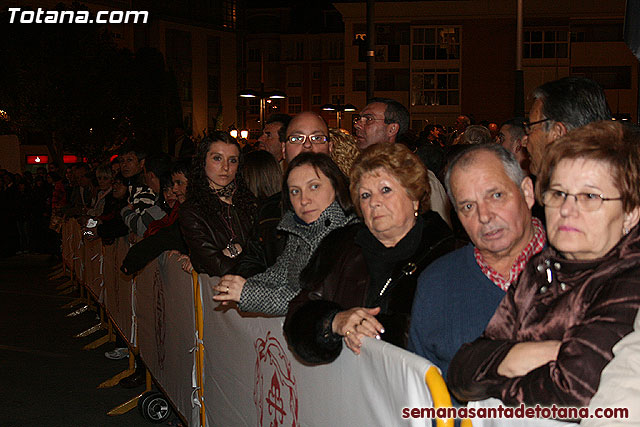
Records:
x=173, y=252
x=355, y=323
x=524, y=357
x=226, y=252
x=230, y=287
x=186, y=263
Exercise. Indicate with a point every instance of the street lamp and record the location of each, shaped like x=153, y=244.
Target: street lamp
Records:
x=339, y=109
x=262, y=95
x=244, y=134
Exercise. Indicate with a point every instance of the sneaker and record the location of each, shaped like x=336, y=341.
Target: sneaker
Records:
x=117, y=354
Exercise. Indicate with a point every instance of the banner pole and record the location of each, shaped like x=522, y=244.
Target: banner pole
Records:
x=200, y=346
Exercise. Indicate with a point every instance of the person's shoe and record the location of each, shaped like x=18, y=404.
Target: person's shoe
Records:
x=117, y=354
x=134, y=380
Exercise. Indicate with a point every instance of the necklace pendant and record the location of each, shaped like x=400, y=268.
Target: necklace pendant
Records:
x=233, y=252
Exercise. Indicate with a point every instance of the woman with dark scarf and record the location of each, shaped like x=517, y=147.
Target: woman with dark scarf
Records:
x=361, y=280
x=216, y=218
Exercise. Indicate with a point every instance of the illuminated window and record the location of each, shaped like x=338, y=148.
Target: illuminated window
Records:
x=229, y=8
x=435, y=86
x=295, y=104
x=431, y=43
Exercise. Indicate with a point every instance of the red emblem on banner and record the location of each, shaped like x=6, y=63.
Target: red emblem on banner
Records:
x=158, y=293
x=275, y=394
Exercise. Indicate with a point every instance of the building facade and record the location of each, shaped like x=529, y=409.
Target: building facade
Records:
x=306, y=62
x=445, y=58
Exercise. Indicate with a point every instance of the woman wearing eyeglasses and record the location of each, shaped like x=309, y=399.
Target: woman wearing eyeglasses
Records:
x=553, y=333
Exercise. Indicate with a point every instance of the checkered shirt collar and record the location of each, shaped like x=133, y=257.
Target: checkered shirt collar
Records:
x=533, y=247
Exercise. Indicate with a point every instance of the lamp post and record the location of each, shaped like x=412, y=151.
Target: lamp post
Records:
x=261, y=94
x=339, y=109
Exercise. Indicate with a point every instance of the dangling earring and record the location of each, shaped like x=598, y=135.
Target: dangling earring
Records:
x=415, y=213
x=625, y=231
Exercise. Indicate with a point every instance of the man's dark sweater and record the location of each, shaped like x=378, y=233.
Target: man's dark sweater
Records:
x=453, y=304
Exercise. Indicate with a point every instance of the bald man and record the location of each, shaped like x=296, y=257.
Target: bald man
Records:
x=307, y=131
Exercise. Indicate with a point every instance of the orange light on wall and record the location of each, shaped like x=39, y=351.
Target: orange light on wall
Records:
x=37, y=160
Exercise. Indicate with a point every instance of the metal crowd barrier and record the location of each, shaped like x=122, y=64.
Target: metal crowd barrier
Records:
x=220, y=367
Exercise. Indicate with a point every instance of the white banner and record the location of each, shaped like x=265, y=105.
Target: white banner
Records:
x=166, y=324
x=93, y=278
x=250, y=376
x=119, y=290
x=252, y=379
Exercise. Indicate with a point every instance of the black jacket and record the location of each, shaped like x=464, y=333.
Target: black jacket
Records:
x=266, y=243
x=142, y=253
x=207, y=235
x=337, y=278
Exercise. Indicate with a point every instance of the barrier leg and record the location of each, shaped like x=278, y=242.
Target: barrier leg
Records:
x=79, y=311
x=439, y=394
x=65, y=285
x=58, y=273
x=200, y=346
x=72, y=303
x=126, y=406
x=67, y=291
x=116, y=379
x=91, y=330
x=97, y=343
x=133, y=402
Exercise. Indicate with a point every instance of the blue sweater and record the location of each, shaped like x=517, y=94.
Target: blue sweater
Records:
x=453, y=303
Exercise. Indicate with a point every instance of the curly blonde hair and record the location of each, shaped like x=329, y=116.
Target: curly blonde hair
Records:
x=345, y=150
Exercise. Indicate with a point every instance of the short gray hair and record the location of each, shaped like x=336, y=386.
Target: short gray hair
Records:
x=572, y=101
x=475, y=135
x=511, y=166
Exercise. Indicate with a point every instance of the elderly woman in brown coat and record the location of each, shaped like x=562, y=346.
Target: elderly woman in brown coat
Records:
x=553, y=333
x=361, y=280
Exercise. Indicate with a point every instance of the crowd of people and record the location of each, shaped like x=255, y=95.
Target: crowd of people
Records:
x=440, y=243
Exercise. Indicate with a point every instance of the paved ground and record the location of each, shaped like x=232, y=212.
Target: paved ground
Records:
x=46, y=379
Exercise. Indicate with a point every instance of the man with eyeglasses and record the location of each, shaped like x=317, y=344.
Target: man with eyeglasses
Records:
x=385, y=120
x=560, y=106
x=382, y=120
x=307, y=131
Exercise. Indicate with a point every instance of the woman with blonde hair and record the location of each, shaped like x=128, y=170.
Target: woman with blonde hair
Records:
x=345, y=149
x=361, y=280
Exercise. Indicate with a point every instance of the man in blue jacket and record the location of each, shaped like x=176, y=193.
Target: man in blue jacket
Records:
x=458, y=293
